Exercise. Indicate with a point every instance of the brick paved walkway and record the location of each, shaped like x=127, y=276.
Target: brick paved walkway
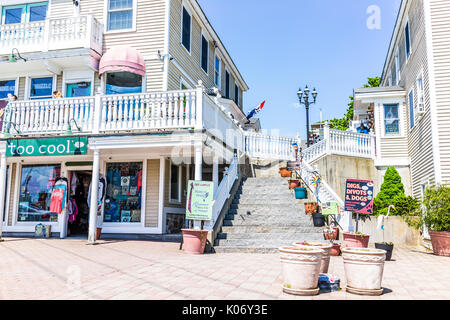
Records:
x=70, y=269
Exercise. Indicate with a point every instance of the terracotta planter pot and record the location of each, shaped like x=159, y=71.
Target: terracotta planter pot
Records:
x=194, y=241
x=98, y=233
x=364, y=270
x=353, y=240
x=285, y=173
x=301, y=268
x=294, y=184
x=335, y=250
x=440, y=242
x=331, y=236
x=326, y=247
x=310, y=208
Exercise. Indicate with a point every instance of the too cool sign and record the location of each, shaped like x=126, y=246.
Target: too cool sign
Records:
x=359, y=196
x=47, y=147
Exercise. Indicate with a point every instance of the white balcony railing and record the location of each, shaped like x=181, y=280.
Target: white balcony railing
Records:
x=52, y=34
x=269, y=147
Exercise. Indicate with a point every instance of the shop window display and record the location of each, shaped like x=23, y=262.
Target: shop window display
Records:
x=174, y=223
x=36, y=187
x=123, y=192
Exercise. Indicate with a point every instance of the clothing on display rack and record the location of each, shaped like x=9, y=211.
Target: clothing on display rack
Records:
x=59, y=195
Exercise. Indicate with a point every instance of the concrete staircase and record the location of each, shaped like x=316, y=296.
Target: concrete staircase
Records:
x=263, y=217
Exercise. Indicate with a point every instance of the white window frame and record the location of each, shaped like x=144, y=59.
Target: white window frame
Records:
x=203, y=35
x=28, y=83
x=218, y=72
x=409, y=35
x=400, y=118
x=184, y=6
x=397, y=66
x=180, y=172
x=413, y=115
x=143, y=196
x=106, y=15
x=16, y=82
x=72, y=77
x=420, y=94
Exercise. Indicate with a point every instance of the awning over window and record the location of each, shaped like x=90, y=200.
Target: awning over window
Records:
x=122, y=58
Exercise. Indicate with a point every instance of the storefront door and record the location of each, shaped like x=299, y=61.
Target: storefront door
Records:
x=78, y=208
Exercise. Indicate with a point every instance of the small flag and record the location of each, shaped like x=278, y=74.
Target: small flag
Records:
x=256, y=110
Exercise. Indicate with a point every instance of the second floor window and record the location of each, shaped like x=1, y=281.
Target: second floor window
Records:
x=407, y=41
x=391, y=119
x=217, y=73
x=120, y=14
x=420, y=95
x=204, y=59
x=41, y=88
x=24, y=13
x=186, y=30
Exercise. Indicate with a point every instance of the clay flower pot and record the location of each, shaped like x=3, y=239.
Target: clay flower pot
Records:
x=194, y=241
x=310, y=208
x=364, y=270
x=335, y=250
x=331, y=235
x=440, y=242
x=294, y=184
x=285, y=173
x=353, y=240
x=326, y=247
x=301, y=268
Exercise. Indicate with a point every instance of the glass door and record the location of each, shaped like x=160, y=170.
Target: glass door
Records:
x=82, y=89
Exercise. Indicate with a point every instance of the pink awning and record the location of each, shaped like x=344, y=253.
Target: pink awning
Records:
x=122, y=58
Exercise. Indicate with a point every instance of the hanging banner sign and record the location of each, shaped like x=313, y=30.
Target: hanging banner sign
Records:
x=47, y=147
x=199, y=200
x=330, y=208
x=359, y=196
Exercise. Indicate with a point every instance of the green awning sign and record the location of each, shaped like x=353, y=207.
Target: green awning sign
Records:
x=199, y=200
x=47, y=147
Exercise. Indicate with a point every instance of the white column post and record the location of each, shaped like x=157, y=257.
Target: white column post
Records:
x=327, y=137
x=199, y=110
x=162, y=170
x=97, y=113
x=198, y=172
x=215, y=175
x=2, y=190
x=94, y=198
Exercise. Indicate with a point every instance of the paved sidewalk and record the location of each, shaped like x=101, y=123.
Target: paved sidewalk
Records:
x=70, y=269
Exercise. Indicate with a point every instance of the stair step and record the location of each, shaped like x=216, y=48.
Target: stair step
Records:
x=267, y=219
x=258, y=250
x=302, y=227
x=303, y=234
x=244, y=208
x=270, y=243
x=257, y=223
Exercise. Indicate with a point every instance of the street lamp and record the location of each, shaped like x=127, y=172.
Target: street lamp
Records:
x=303, y=97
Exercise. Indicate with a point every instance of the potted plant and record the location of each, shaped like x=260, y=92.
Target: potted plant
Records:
x=436, y=217
x=356, y=240
x=301, y=269
x=294, y=183
x=194, y=241
x=318, y=220
x=335, y=249
x=331, y=233
x=386, y=246
x=364, y=270
x=301, y=193
x=326, y=247
x=285, y=173
x=310, y=208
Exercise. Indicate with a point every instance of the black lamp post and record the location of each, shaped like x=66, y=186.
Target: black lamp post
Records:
x=305, y=95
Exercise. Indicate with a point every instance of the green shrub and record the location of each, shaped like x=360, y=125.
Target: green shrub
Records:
x=392, y=192
x=436, y=216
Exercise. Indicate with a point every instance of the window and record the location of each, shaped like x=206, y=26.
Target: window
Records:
x=7, y=87
x=80, y=89
x=175, y=183
x=123, y=192
x=236, y=94
x=420, y=95
x=391, y=119
x=205, y=51
x=397, y=67
x=186, y=26
x=36, y=187
x=120, y=15
x=227, y=85
x=217, y=71
x=5, y=212
x=411, y=109
x=123, y=83
x=24, y=13
x=407, y=41
x=41, y=88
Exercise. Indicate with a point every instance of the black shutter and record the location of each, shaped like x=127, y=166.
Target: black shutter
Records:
x=204, y=54
x=186, y=37
x=227, y=85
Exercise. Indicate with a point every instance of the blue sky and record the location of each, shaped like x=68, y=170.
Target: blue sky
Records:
x=281, y=45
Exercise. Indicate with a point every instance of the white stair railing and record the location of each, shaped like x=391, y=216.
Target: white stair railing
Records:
x=223, y=192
